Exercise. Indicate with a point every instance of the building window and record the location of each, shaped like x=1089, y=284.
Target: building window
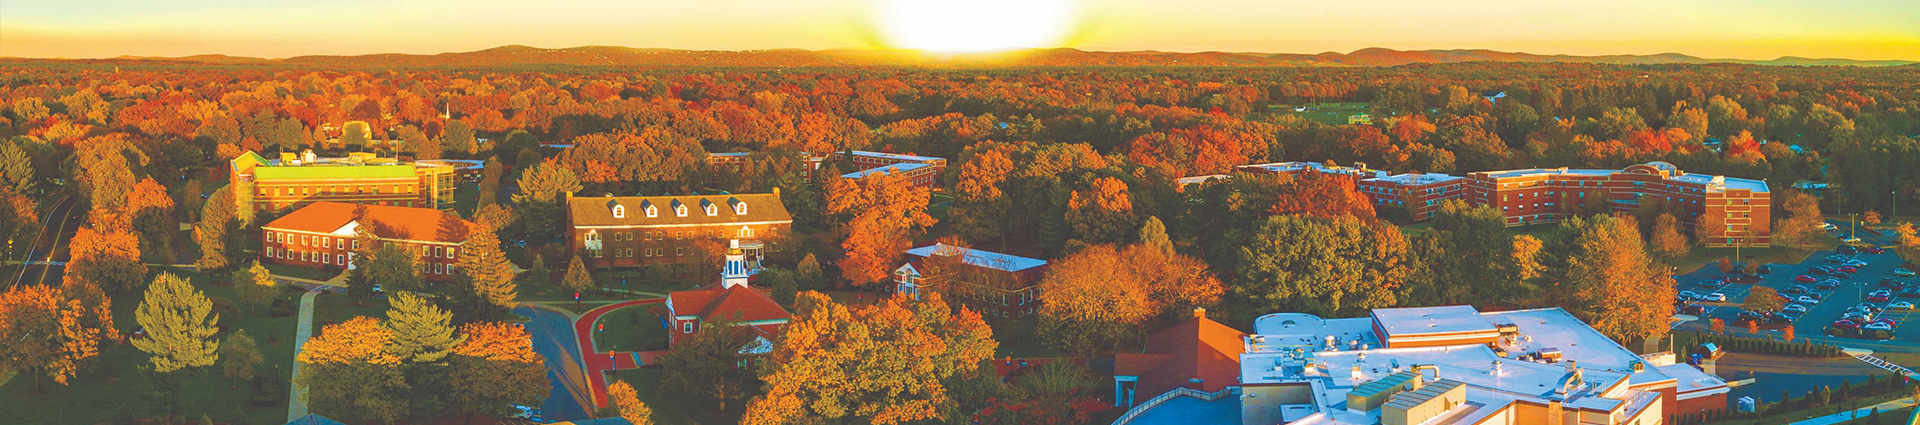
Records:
x=619, y=211
x=740, y=208
x=326, y=242
x=686, y=327
x=652, y=212
x=303, y=240
x=341, y=260
x=713, y=209
x=270, y=252
x=356, y=244
x=450, y=253
x=680, y=210
x=679, y=251
x=326, y=258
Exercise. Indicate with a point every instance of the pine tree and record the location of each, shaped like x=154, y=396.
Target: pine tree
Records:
x=1154, y=233
x=254, y=286
x=422, y=332
x=179, y=324
x=239, y=356
x=485, y=276
x=213, y=231
x=577, y=279
x=809, y=276
x=489, y=183
x=539, y=275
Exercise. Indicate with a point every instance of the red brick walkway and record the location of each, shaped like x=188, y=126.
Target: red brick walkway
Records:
x=599, y=363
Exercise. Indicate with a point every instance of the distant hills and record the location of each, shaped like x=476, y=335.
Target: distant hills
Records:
x=628, y=56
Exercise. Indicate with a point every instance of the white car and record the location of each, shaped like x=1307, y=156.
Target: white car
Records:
x=1856, y=263
x=1689, y=295
x=1879, y=326
x=1805, y=300
x=1717, y=297
x=1794, y=308
x=1903, y=272
x=1900, y=305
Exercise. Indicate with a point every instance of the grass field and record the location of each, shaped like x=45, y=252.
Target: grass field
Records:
x=646, y=381
x=115, y=383
x=299, y=272
x=632, y=328
x=1327, y=113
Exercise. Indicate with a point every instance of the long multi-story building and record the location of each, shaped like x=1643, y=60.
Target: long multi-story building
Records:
x=1448, y=365
x=632, y=231
x=992, y=283
x=293, y=181
x=1721, y=211
x=922, y=171
x=1420, y=194
x=326, y=235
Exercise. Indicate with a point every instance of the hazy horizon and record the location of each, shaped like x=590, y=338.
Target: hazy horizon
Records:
x=1713, y=29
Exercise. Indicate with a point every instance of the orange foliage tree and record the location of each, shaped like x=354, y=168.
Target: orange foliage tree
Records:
x=1102, y=296
x=1324, y=195
x=887, y=212
x=884, y=364
x=349, y=372
x=494, y=369
x=1103, y=213
x=48, y=332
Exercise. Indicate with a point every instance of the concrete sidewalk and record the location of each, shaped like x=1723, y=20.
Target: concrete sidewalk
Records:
x=296, y=394
x=1900, y=403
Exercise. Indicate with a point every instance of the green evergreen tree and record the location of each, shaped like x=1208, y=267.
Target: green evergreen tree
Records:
x=179, y=323
x=239, y=356
x=422, y=332
x=1154, y=233
x=486, y=289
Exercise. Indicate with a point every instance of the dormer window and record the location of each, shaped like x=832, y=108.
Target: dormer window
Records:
x=739, y=206
x=713, y=209
x=652, y=211
x=619, y=211
x=680, y=210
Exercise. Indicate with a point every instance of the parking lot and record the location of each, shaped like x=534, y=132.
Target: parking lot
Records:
x=1832, y=303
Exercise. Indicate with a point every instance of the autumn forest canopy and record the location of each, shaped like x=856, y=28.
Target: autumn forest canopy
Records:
x=1073, y=164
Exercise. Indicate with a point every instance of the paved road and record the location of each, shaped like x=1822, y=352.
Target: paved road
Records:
x=57, y=228
x=297, y=395
x=553, y=338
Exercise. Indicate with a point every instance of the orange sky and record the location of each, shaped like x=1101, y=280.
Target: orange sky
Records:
x=1752, y=29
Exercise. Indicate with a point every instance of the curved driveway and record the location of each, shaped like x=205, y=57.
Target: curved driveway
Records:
x=553, y=337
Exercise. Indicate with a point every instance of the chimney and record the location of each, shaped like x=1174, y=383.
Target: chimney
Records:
x=776, y=191
x=1199, y=312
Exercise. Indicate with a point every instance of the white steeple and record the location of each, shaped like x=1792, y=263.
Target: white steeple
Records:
x=735, y=270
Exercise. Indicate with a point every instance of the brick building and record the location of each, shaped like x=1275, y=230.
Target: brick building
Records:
x=731, y=300
x=323, y=235
x=1419, y=194
x=632, y=231
x=994, y=284
x=292, y=181
x=923, y=171
x=1720, y=211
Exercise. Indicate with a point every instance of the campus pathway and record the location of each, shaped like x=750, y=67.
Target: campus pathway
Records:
x=1835, y=418
x=297, y=395
x=599, y=363
x=552, y=333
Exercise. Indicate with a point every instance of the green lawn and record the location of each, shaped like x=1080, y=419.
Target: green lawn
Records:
x=299, y=272
x=1787, y=417
x=1328, y=113
x=466, y=199
x=632, y=328
x=1700, y=256
x=646, y=381
x=331, y=309
x=115, y=383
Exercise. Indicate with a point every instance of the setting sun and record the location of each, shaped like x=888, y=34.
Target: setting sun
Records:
x=974, y=26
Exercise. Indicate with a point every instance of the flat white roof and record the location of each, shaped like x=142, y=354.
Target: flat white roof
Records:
x=895, y=156
x=987, y=259
x=1201, y=179
x=901, y=167
x=1288, y=166
x=1410, y=179
x=1431, y=320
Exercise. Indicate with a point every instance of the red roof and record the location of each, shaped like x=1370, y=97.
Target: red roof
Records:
x=386, y=222
x=738, y=303
x=1200, y=348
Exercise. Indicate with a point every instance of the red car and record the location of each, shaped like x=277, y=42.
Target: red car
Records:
x=1805, y=278
x=1878, y=297
x=1873, y=250
x=1850, y=269
x=1846, y=323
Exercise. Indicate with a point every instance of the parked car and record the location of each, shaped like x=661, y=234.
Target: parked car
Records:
x=1836, y=259
x=1880, y=297
x=1879, y=326
x=1873, y=250
x=1857, y=263
x=1764, y=269
x=1846, y=324
x=1847, y=249
x=1805, y=278
x=1841, y=274
x=1751, y=316
x=1716, y=297
x=1806, y=299
x=1888, y=321
x=1689, y=295
x=1900, y=305
x=1849, y=269
x=1693, y=310
x=1903, y=272
x=1827, y=284
x=1783, y=318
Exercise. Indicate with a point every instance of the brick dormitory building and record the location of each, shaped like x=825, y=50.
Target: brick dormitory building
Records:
x=325, y=235
x=633, y=231
x=922, y=171
x=295, y=180
x=1720, y=211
